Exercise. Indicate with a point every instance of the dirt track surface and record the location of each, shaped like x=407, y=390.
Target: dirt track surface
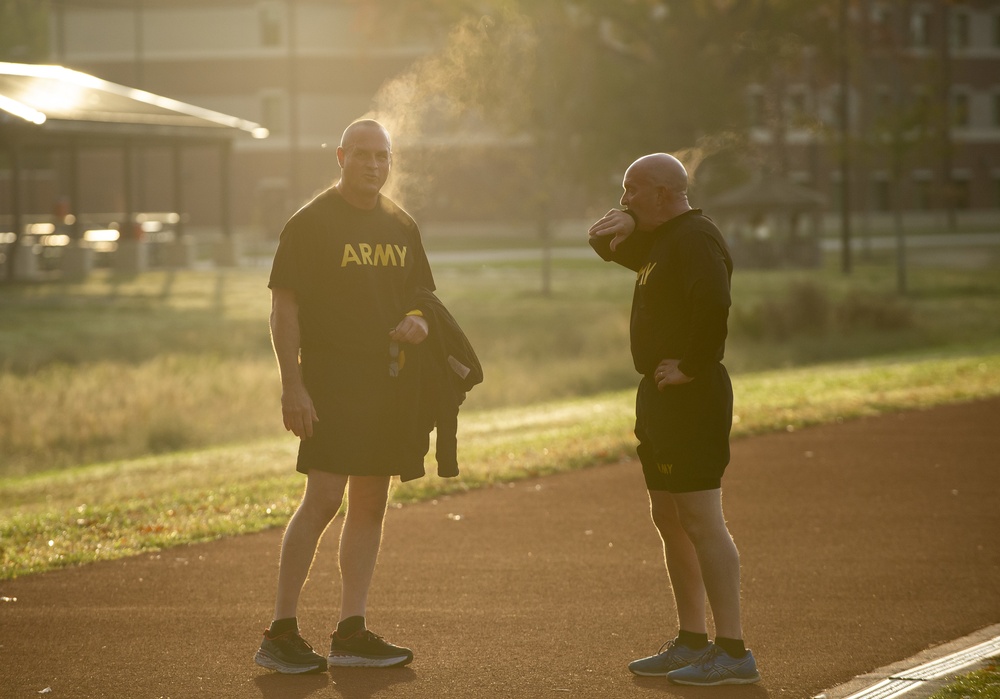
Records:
x=861, y=544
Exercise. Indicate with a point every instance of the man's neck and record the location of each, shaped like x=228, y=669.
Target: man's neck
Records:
x=355, y=199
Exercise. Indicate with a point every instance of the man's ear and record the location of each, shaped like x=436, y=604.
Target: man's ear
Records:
x=340, y=155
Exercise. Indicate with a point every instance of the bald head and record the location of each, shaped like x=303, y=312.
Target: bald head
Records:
x=656, y=189
x=663, y=170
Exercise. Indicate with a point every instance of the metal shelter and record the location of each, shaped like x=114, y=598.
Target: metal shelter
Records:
x=768, y=214
x=52, y=109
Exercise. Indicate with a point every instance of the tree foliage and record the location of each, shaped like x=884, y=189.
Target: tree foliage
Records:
x=24, y=30
x=591, y=84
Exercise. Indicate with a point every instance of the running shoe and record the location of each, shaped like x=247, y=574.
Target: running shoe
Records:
x=672, y=655
x=366, y=649
x=718, y=667
x=289, y=653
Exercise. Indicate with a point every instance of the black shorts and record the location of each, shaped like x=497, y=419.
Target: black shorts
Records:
x=683, y=432
x=362, y=414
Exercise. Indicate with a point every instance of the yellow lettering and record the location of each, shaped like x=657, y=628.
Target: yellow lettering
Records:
x=401, y=251
x=643, y=275
x=665, y=468
x=366, y=253
x=350, y=255
x=384, y=255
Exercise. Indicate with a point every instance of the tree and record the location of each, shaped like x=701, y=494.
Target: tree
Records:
x=24, y=30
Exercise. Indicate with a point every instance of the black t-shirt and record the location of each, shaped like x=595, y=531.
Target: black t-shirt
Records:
x=352, y=271
x=681, y=302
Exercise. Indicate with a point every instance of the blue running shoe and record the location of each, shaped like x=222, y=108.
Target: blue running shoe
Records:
x=717, y=667
x=672, y=655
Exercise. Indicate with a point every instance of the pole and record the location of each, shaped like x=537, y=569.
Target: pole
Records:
x=845, y=134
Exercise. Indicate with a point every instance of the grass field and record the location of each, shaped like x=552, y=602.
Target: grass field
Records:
x=131, y=405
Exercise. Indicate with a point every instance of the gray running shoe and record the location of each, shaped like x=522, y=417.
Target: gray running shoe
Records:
x=289, y=653
x=671, y=656
x=366, y=649
x=718, y=667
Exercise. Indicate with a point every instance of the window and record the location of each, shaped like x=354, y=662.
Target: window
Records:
x=922, y=193
x=881, y=199
x=271, y=24
x=920, y=29
x=757, y=109
x=960, y=30
x=961, y=192
x=996, y=110
x=960, y=110
x=996, y=30
x=274, y=113
x=796, y=107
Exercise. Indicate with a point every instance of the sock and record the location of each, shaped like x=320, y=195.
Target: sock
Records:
x=695, y=641
x=733, y=646
x=280, y=626
x=350, y=626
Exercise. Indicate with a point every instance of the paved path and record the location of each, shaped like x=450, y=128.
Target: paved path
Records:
x=862, y=544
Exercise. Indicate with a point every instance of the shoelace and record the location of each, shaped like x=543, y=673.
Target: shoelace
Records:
x=297, y=641
x=709, y=657
x=667, y=645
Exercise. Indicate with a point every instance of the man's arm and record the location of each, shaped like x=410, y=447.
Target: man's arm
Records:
x=297, y=410
x=610, y=237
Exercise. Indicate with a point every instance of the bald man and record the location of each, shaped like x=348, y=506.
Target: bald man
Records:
x=684, y=410
x=347, y=265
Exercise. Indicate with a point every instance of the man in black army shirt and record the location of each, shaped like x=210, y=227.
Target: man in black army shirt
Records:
x=684, y=410
x=346, y=265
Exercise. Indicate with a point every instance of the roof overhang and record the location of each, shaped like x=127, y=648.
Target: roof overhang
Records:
x=60, y=100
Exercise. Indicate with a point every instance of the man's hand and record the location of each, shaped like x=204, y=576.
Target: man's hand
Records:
x=616, y=223
x=298, y=412
x=669, y=374
x=411, y=329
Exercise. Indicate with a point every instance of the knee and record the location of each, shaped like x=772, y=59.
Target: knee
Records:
x=703, y=529
x=367, y=503
x=319, y=510
x=664, y=517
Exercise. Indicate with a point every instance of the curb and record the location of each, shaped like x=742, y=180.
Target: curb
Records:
x=926, y=672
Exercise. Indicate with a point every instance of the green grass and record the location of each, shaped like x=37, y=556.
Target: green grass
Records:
x=121, y=368
x=143, y=412
x=61, y=518
x=981, y=684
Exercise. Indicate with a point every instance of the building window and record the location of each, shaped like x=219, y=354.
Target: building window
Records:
x=757, y=109
x=271, y=24
x=961, y=193
x=960, y=110
x=922, y=193
x=797, y=107
x=274, y=113
x=996, y=110
x=960, y=30
x=881, y=196
x=920, y=29
x=996, y=31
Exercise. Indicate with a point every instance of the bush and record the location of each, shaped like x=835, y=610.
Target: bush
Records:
x=860, y=311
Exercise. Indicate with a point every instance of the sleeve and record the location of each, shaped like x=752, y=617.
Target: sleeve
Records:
x=706, y=290
x=631, y=252
x=286, y=269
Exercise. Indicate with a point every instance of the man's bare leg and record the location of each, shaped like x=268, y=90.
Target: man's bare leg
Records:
x=360, y=540
x=322, y=499
x=701, y=516
x=683, y=565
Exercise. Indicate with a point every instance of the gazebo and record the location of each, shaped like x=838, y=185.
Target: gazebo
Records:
x=765, y=220
x=47, y=110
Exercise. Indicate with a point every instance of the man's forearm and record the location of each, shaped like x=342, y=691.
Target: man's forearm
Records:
x=285, y=341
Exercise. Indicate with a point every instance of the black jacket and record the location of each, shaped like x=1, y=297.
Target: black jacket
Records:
x=448, y=368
